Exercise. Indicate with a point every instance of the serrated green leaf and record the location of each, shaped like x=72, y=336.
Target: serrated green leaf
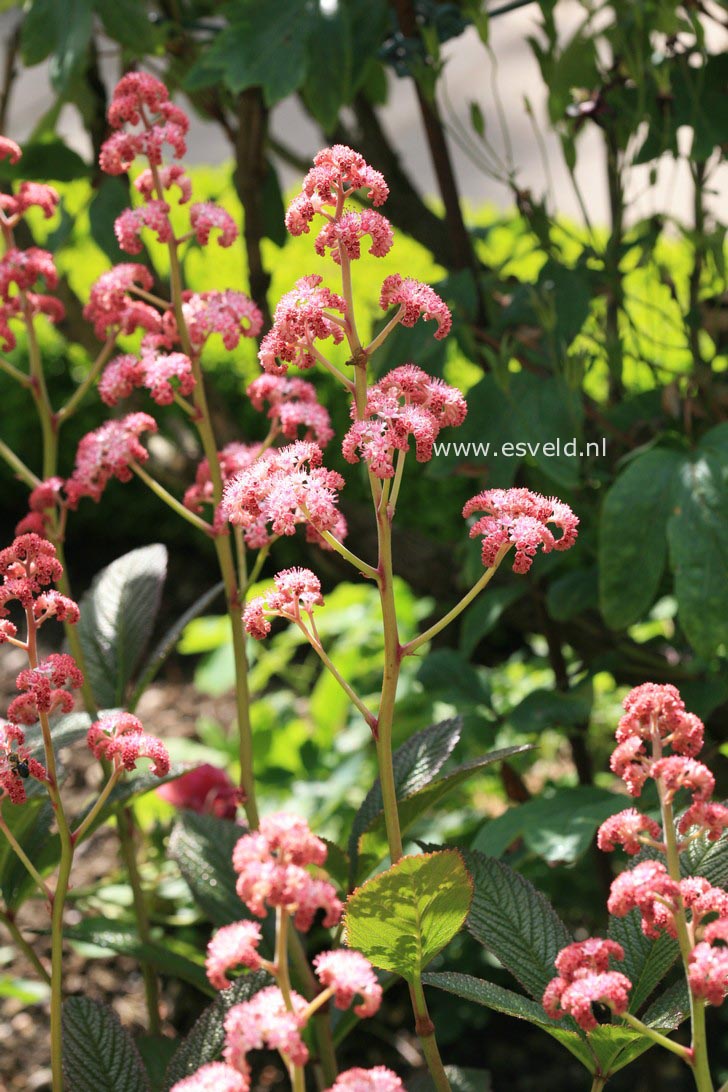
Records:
x=633, y=526
x=403, y=917
x=415, y=764
x=117, y=617
x=559, y=825
x=108, y=202
x=262, y=46
x=31, y=825
x=328, y=84
x=491, y=996
x=202, y=846
x=97, y=1051
x=646, y=962
x=483, y=616
x=459, y=1079
x=373, y=843
x=128, y=22
x=205, y=1041
x=549, y=708
x=164, y=955
x=514, y=921
x=166, y=645
x=671, y=1008
x=697, y=534
x=705, y=858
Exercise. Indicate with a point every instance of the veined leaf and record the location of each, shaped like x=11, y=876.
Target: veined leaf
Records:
x=646, y=962
x=202, y=846
x=403, y=917
x=97, y=1051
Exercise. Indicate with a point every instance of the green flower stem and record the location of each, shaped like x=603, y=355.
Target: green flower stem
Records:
x=103, y=796
x=9, y=922
x=598, y=1083
x=15, y=463
x=318, y=648
x=426, y=1033
x=657, y=1037
x=39, y=391
x=171, y=501
x=15, y=373
x=58, y=899
x=361, y=566
x=700, y=1066
x=309, y=986
x=283, y=980
x=23, y=856
x=466, y=600
x=384, y=334
x=126, y=823
x=223, y=546
x=82, y=389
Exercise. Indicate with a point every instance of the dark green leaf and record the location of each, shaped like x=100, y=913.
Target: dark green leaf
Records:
x=459, y=1079
x=483, y=616
x=448, y=674
x=109, y=201
x=166, y=645
x=117, y=617
x=373, y=843
x=128, y=22
x=543, y=709
x=646, y=962
x=46, y=161
x=31, y=825
x=202, y=846
x=415, y=764
x=632, y=528
x=274, y=209
x=493, y=997
x=671, y=1008
x=164, y=954
x=559, y=825
x=156, y=1052
x=403, y=917
x=515, y=922
x=572, y=594
x=98, y=1053
x=330, y=54
x=262, y=46
x=698, y=539
x=205, y=1041
x=61, y=31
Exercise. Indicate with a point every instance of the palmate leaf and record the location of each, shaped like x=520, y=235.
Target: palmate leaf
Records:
x=98, y=1053
x=205, y=1041
x=403, y=917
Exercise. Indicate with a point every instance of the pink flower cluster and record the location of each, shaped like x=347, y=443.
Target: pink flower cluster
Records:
x=585, y=979
x=655, y=716
x=107, y=453
x=272, y=870
x=406, y=402
x=520, y=518
x=163, y=374
x=349, y=973
x=219, y=1077
x=415, y=299
x=296, y=590
x=379, y=1079
x=337, y=173
x=16, y=764
x=20, y=270
x=293, y=406
x=120, y=738
x=288, y=488
x=302, y=316
x=142, y=100
x=43, y=689
x=232, y=460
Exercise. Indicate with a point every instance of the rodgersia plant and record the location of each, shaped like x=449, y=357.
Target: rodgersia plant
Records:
x=244, y=497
